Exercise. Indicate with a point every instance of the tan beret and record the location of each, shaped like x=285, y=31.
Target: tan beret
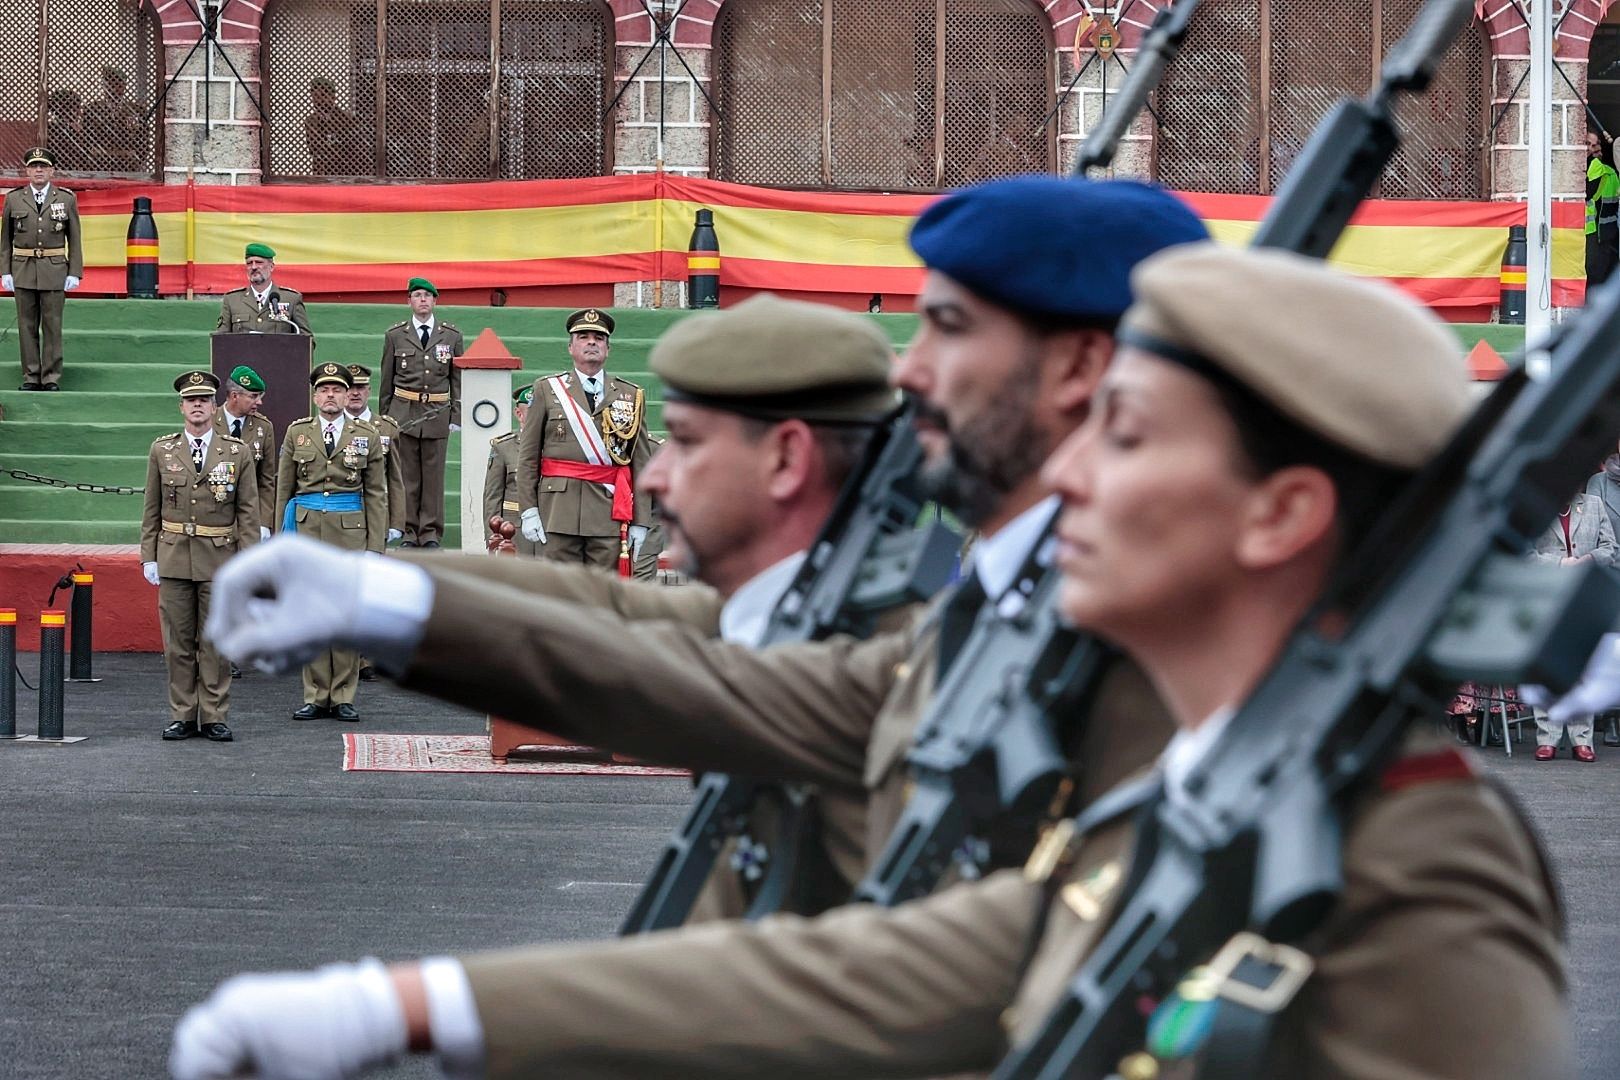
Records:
x=1353, y=360
x=779, y=359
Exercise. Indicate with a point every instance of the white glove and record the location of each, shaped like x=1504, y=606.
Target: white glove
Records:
x=5, y=282
x=394, y=534
x=71, y=283
x=455, y=427
x=149, y=571
x=337, y=1022
x=1598, y=691
x=264, y=532
x=279, y=604
x=533, y=531
x=638, y=536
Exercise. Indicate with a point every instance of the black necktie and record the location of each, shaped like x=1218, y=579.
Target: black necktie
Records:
x=236, y=429
x=331, y=440
x=422, y=332
x=196, y=454
x=956, y=621
x=590, y=393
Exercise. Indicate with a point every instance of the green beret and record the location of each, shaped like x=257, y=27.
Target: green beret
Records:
x=197, y=384
x=331, y=373
x=263, y=251
x=1354, y=361
x=779, y=359
x=421, y=283
x=247, y=378
x=523, y=395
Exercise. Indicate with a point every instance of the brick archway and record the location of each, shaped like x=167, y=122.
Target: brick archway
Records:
x=239, y=21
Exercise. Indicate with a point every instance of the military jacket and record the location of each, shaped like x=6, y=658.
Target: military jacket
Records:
x=357, y=464
x=500, y=480
x=40, y=246
x=580, y=507
x=421, y=386
x=1441, y=959
x=388, y=429
x=240, y=313
x=259, y=435
x=192, y=522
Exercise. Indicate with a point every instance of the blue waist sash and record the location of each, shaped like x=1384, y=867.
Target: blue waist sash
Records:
x=335, y=502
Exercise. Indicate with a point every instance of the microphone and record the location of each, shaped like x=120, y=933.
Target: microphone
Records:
x=274, y=299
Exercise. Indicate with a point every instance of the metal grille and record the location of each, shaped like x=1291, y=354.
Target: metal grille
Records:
x=1256, y=76
x=102, y=68
x=446, y=112
x=821, y=93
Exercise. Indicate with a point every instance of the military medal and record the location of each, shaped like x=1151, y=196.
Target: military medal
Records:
x=621, y=420
x=441, y=352
x=355, y=453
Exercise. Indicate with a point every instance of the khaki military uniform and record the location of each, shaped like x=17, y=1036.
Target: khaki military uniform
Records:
x=259, y=434
x=357, y=464
x=388, y=428
x=500, y=489
x=191, y=523
x=40, y=248
x=421, y=389
x=1441, y=960
x=240, y=313
x=578, y=514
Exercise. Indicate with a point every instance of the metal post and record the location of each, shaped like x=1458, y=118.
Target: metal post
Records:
x=8, y=673
x=1538, y=265
x=81, y=628
x=52, y=689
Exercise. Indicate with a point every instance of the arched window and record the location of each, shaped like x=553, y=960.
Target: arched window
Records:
x=1256, y=76
x=910, y=94
x=445, y=110
x=103, y=69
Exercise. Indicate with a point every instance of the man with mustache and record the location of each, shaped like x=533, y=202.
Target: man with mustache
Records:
x=1027, y=280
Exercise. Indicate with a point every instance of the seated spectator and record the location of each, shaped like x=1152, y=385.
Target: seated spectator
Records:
x=1582, y=533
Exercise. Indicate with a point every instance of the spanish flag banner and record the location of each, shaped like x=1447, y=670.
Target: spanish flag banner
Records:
x=348, y=239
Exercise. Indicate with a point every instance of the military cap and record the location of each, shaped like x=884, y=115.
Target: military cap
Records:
x=1353, y=360
x=360, y=375
x=590, y=319
x=524, y=395
x=39, y=155
x=331, y=373
x=263, y=251
x=197, y=384
x=1051, y=246
x=779, y=359
x=421, y=283
x=247, y=378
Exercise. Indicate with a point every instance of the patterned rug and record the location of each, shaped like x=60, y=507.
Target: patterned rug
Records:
x=470, y=754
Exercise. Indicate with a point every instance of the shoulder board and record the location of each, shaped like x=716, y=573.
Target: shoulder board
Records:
x=508, y=437
x=365, y=425
x=302, y=420
x=448, y=325
x=229, y=438
x=235, y=292
x=1425, y=769
x=399, y=325
x=285, y=291
x=627, y=382
x=166, y=438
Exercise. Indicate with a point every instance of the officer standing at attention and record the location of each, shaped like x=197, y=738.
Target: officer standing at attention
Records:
x=41, y=259
x=501, y=478
x=359, y=406
x=579, y=453
x=240, y=418
x=263, y=307
x=200, y=508
x=421, y=389
x=332, y=485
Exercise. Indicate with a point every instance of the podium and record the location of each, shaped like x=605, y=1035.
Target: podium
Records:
x=283, y=361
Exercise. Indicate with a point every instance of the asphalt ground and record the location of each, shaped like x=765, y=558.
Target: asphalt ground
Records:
x=136, y=874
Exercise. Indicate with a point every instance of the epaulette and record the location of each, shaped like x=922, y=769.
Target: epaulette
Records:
x=367, y=424
x=626, y=382
x=233, y=292
x=230, y=438
x=1427, y=768
x=449, y=326
x=166, y=438
x=509, y=436
x=301, y=420
x=399, y=325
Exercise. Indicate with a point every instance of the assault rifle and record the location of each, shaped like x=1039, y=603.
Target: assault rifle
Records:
x=869, y=558
x=986, y=757
x=1435, y=594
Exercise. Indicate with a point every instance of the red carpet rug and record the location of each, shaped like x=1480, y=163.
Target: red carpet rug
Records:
x=470, y=754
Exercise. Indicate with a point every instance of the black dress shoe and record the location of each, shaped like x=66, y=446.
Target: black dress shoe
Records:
x=407, y=543
x=310, y=712
x=217, y=732
x=368, y=673
x=236, y=672
x=180, y=729
x=50, y=386
x=345, y=711
x=431, y=544
x=29, y=386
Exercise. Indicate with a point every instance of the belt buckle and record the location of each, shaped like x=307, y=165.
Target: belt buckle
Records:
x=191, y=528
x=1290, y=968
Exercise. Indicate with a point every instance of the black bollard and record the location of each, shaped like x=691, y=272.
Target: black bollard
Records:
x=703, y=264
x=1512, y=297
x=79, y=627
x=52, y=686
x=141, y=253
x=8, y=673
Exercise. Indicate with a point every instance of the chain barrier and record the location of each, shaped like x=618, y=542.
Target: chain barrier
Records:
x=94, y=489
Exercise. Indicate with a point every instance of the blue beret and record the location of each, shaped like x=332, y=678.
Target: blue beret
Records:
x=1052, y=246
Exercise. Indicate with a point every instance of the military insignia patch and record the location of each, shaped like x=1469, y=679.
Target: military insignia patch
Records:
x=58, y=212
x=442, y=352
x=303, y=439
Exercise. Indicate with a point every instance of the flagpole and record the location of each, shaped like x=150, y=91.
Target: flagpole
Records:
x=1538, y=268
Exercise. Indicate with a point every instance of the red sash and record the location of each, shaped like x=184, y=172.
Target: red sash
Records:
x=617, y=475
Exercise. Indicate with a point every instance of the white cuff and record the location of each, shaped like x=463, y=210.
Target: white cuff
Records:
x=458, y=1034
x=392, y=613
